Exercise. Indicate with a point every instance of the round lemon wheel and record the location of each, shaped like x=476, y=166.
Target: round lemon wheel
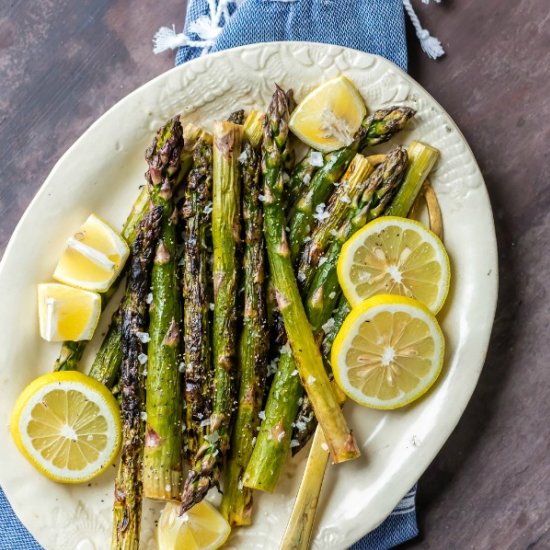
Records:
x=388, y=353
x=393, y=255
x=67, y=425
x=201, y=528
x=93, y=258
x=67, y=313
x=329, y=116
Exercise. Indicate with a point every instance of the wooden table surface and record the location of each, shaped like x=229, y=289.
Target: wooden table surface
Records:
x=64, y=63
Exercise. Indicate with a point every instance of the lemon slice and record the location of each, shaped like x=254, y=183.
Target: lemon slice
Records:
x=388, y=352
x=393, y=255
x=93, y=258
x=67, y=313
x=329, y=116
x=201, y=528
x=67, y=425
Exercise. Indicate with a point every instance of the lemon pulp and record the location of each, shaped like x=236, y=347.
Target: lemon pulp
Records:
x=388, y=352
x=67, y=425
x=393, y=255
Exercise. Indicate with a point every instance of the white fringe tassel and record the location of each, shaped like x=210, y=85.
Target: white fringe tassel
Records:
x=430, y=44
x=206, y=27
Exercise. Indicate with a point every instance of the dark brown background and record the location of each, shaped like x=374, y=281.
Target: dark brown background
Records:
x=65, y=62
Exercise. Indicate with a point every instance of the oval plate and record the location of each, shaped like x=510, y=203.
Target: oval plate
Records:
x=101, y=173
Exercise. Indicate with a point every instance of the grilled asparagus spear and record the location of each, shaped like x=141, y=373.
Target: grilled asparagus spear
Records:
x=128, y=485
x=163, y=438
x=305, y=351
x=197, y=297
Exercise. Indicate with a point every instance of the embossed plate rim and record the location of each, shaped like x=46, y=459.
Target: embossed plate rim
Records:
x=400, y=445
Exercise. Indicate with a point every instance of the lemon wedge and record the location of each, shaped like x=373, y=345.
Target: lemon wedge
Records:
x=329, y=116
x=67, y=425
x=93, y=258
x=388, y=353
x=67, y=313
x=201, y=528
x=393, y=255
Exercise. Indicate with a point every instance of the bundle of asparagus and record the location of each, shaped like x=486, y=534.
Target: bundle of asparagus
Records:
x=196, y=392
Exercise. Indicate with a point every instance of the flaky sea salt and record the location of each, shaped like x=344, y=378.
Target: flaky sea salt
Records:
x=320, y=212
x=294, y=443
x=311, y=379
x=294, y=372
x=328, y=326
x=316, y=159
x=143, y=337
x=243, y=157
x=322, y=261
x=345, y=199
x=142, y=358
x=149, y=298
x=143, y=416
x=261, y=415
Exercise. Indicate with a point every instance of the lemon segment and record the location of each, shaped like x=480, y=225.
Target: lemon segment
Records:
x=388, y=353
x=67, y=425
x=67, y=313
x=93, y=258
x=201, y=528
x=393, y=255
x=329, y=116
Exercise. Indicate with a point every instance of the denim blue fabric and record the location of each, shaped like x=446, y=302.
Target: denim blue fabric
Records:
x=375, y=26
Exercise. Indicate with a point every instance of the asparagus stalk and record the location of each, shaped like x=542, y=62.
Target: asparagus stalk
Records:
x=273, y=441
x=163, y=438
x=300, y=526
x=376, y=128
x=225, y=238
x=305, y=420
x=422, y=159
x=332, y=218
x=301, y=175
x=107, y=365
x=108, y=361
x=236, y=504
x=197, y=297
x=128, y=484
x=305, y=351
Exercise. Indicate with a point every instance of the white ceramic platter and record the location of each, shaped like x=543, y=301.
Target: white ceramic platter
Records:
x=101, y=173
